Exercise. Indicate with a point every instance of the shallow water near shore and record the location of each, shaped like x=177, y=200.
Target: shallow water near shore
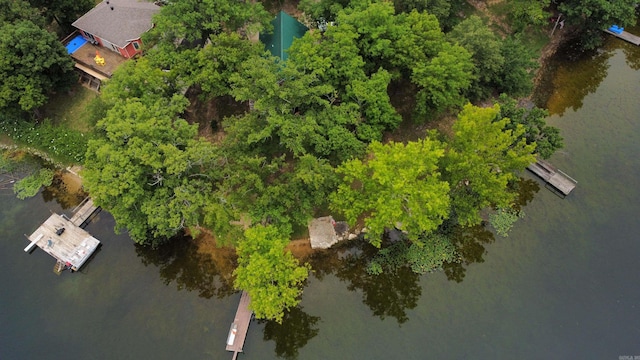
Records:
x=564, y=284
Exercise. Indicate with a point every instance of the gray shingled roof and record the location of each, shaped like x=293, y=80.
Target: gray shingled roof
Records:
x=127, y=21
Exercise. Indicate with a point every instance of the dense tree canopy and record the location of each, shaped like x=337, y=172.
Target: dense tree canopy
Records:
x=445, y=10
x=516, y=78
x=64, y=12
x=148, y=169
x=502, y=65
x=327, y=107
x=33, y=64
x=398, y=186
x=146, y=165
x=12, y=11
x=484, y=46
x=523, y=13
x=192, y=22
x=269, y=274
x=547, y=138
x=482, y=159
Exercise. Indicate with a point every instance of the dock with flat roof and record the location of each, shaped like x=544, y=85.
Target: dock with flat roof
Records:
x=240, y=326
x=65, y=239
x=553, y=176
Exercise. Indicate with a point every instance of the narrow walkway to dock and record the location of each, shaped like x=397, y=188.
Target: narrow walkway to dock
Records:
x=554, y=177
x=65, y=239
x=83, y=212
x=240, y=326
x=635, y=40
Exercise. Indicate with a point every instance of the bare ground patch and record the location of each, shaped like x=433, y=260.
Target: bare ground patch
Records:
x=208, y=113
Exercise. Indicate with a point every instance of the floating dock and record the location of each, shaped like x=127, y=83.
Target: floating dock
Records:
x=553, y=176
x=625, y=36
x=65, y=239
x=240, y=326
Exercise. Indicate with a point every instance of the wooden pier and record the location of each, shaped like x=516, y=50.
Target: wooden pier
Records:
x=82, y=213
x=625, y=36
x=552, y=176
x=65, y=239
x=240, y=326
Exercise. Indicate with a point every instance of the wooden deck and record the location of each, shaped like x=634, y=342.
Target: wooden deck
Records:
x=83, y=212
x=625, y=36
x=85, y=54
x=240, y=326
x=71, y=246
x=552, y=176
x=65, y=239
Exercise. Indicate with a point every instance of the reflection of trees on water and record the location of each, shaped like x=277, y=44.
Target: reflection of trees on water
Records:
x=471, y=241
x=527, y=189
x=632, y=56
x=180, y=261
x=394, y=291
x=631, y=53
x=296, y=330
x=574, y=75
x=59, y=192
x=388, y=294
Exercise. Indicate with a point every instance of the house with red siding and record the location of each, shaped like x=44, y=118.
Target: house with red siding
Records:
x=118, y=25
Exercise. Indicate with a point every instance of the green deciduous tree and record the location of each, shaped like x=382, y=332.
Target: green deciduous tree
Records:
x=442, y=80
x=445, y=10
x=64, y=12
x=370, y=39
x=148, y=169
x=485, y=48
x=218, y=62
x=12, y=11
x=33, y=63
x=194, y=21
x=269, y=274
x=528, y=12
x=324, y=10
x=398, y=186
x=31, y=184
x=547, y=138
x=501, y=65
x=139, y=79
x=295, y=191
x=483, y=157
x=516, y=75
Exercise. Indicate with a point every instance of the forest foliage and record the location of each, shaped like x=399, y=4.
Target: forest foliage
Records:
x=315, y=129
x=313, y=139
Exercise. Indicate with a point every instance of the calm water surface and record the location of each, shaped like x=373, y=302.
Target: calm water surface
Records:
x=564, y=284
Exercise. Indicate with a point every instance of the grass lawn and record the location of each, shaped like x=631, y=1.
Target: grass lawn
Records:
x=69, y=109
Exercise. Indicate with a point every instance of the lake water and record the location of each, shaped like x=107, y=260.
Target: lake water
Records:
x=564, y=284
